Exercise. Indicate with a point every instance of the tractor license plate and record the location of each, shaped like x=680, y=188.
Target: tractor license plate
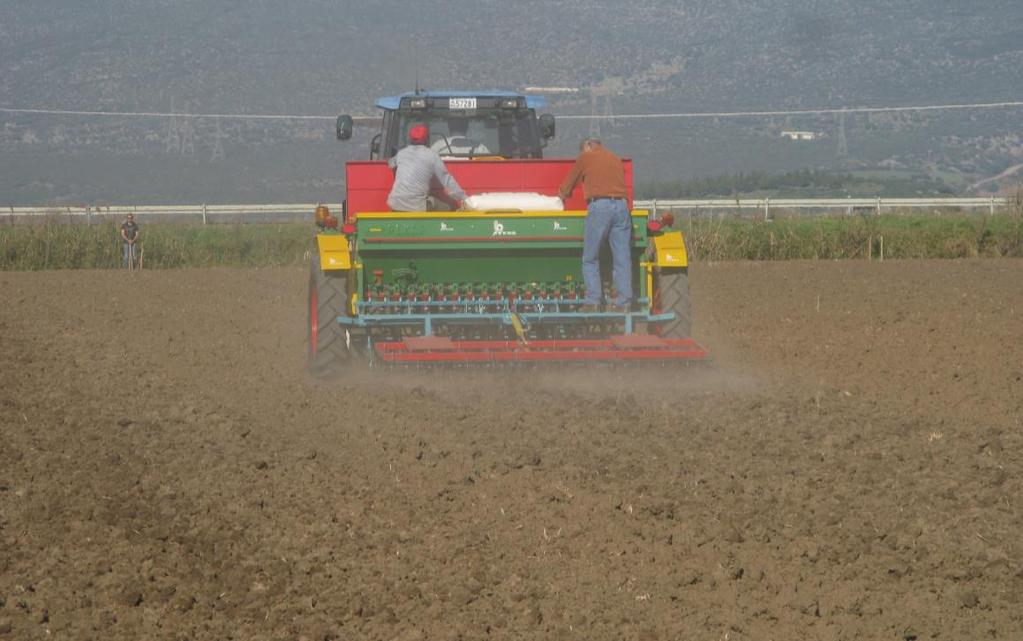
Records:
x=461, y=103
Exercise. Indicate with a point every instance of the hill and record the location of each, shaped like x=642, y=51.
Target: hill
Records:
x=317, y=57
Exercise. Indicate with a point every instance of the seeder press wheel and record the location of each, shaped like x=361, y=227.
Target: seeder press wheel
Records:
x=329, y=342
x=673, y=296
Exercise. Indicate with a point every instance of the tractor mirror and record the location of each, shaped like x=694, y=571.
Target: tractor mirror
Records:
x=547, y=126
x=344, y=127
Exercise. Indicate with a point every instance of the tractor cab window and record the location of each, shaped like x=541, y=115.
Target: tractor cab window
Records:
x=454, y=134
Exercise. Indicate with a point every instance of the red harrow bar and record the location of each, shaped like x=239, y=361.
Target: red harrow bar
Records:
x=622, y=348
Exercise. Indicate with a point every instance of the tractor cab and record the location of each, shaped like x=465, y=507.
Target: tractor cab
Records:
x=463, y=126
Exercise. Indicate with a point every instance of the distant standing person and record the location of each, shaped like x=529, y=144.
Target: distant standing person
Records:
x=607, y=218
x=416, y=167
x=129, y=235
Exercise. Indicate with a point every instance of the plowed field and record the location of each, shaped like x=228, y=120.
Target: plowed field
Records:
x=849, y=467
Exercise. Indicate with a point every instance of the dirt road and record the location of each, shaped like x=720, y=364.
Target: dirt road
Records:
x=1011, y=171
x=848, y=468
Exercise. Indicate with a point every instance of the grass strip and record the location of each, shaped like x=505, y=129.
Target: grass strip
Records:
x=56, y=244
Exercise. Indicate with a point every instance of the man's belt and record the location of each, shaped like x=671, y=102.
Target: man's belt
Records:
x=596, y=198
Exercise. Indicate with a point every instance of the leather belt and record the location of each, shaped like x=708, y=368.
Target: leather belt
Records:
x=595, y=198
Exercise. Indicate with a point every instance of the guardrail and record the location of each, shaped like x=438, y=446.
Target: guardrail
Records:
x=304, y=211
x=850, y=205
x=204, y=213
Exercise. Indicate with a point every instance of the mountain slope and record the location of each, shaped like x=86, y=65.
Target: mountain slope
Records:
x=323, y=57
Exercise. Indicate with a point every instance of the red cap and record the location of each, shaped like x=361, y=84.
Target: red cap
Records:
x=418, y=134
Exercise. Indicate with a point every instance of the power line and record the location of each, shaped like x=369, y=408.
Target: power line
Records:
x=701, y=114
x=804, y=112
x=158, y=114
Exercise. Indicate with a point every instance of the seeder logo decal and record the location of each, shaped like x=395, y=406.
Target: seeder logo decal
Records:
x=499, y=230
x=559, y=227
x=446, y=227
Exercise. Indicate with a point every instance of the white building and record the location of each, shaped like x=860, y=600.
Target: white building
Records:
x=800, y=135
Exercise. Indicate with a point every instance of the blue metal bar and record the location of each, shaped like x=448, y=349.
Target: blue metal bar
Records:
x=475, y=303
x=427, y=320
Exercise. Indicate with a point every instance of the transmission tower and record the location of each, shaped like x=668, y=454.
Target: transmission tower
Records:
x=601, y=108
x=594, y=119
x=609, y=113
x=187, y=136
x=173, y=140
x=218, y=145
x=843, y=144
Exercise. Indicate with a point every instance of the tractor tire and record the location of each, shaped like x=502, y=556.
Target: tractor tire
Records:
x=329, y=342
x=673, y=296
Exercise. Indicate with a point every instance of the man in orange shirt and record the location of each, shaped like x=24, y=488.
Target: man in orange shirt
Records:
x=607, y=218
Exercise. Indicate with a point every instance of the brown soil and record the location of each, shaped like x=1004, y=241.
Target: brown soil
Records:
x=848, y=468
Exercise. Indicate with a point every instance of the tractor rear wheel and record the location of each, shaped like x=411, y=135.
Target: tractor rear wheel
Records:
x=673, y=296
x=329, y=342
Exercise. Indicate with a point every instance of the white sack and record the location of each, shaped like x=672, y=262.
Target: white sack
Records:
x=522, y=201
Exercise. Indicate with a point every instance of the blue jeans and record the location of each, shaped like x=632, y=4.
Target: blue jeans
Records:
x=127, y=248
x=608, y=220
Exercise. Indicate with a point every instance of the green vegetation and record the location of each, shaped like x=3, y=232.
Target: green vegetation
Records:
x=799, y=184
x=57, y=245
x=852, y=237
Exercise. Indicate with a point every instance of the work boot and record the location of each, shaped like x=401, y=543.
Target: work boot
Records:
x=588, y=309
